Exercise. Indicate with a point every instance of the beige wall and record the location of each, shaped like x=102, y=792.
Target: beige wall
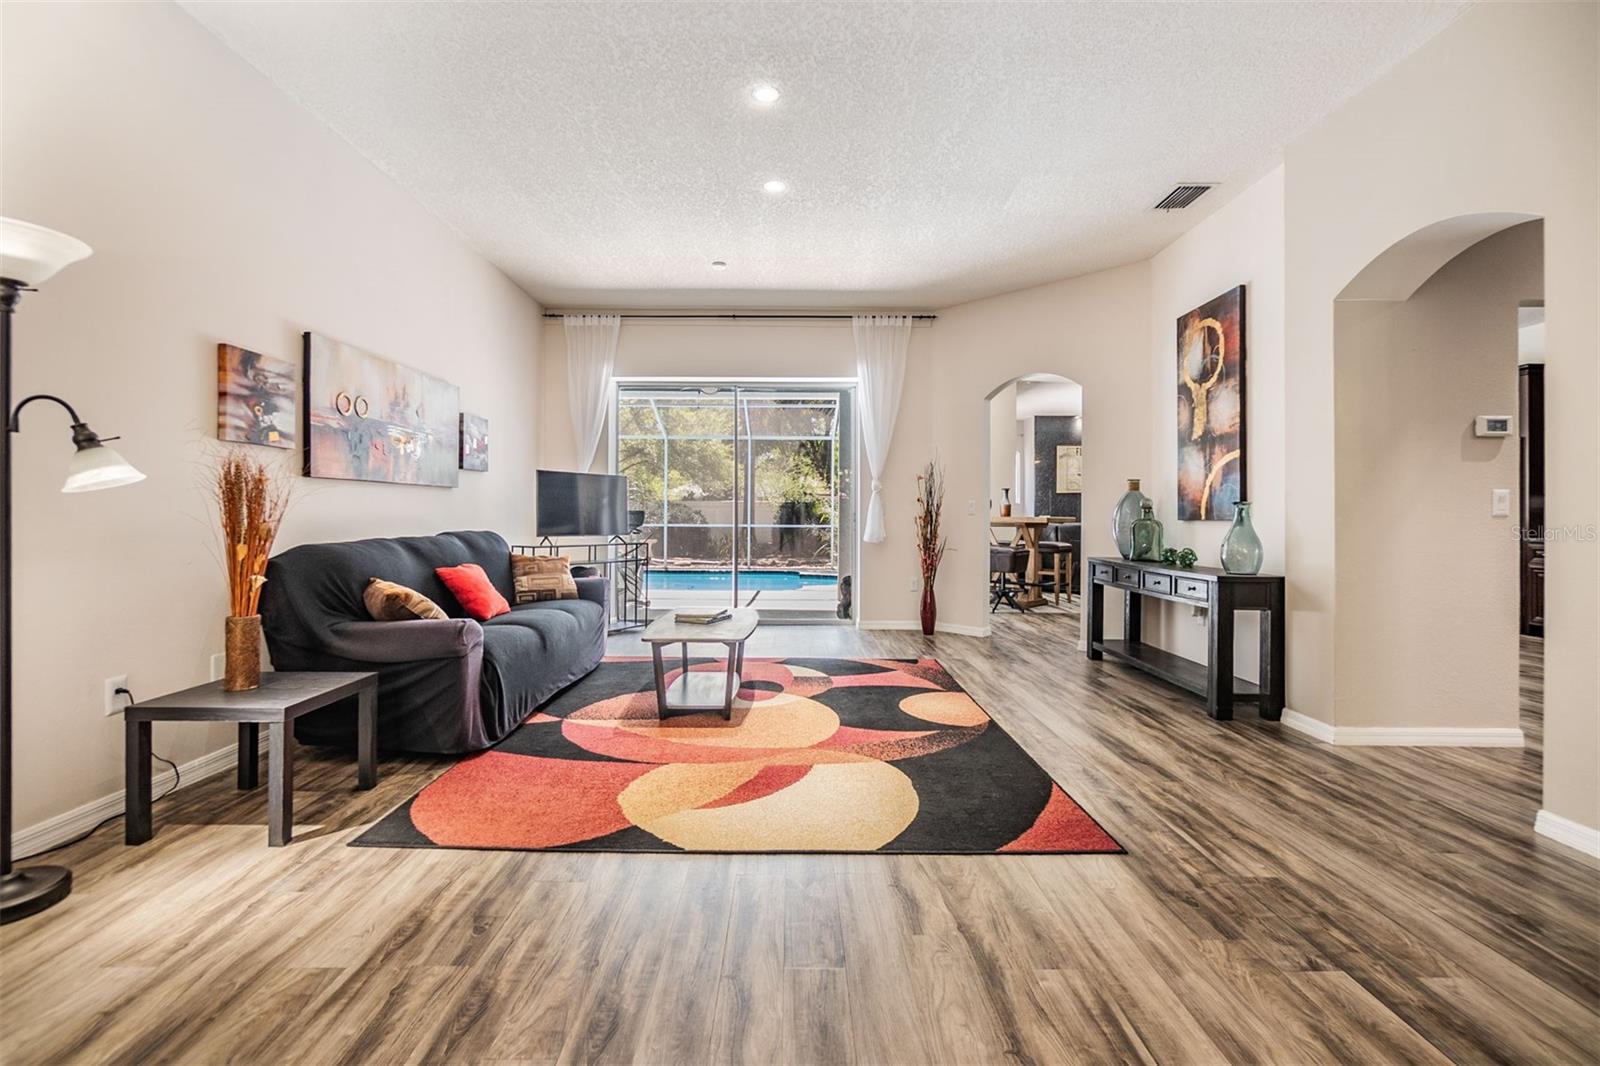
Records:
x=1091, y=330
x=1413, y=489
x=1003, y=449
x=1239, y=244
x=218, y=211
x=1496, y=114
x=887, y=574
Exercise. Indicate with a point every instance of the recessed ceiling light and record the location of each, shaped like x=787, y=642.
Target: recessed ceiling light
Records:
x=776, y=187
x=765, y=95
x=718, y=264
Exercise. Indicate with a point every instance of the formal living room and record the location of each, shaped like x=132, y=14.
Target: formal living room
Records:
x=807, y=532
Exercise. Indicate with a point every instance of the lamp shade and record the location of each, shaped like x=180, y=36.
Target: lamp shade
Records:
x=32, y=254
x=95, y=466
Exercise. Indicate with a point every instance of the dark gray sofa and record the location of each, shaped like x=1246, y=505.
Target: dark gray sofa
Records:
x=446, y=686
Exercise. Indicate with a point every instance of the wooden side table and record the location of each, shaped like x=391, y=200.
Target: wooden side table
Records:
x=282, y=697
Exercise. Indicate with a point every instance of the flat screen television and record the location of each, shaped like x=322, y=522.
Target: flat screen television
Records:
x=582, y=505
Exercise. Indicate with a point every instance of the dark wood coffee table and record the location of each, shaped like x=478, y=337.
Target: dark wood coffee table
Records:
x=282, y=697
x=703, y=691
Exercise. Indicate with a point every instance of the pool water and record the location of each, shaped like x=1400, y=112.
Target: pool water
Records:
x=749, y=580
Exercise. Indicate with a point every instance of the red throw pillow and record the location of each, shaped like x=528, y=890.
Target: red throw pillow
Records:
x=472, y=587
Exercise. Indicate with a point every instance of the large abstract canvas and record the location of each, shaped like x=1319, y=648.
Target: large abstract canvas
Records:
x=370, y=419
x=1211, y=396
x=255, y=398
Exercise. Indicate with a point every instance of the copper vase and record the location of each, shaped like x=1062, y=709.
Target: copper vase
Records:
x=242, y=653
x=930, y=610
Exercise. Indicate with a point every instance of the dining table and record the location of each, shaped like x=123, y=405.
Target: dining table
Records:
x=1029, y=528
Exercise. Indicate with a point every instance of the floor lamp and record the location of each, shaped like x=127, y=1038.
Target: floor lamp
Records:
x=30, y=255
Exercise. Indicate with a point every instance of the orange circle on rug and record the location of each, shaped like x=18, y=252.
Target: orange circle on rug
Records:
x=945, y=708
x=855, y=804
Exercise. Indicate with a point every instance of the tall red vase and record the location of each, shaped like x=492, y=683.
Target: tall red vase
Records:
x=930, y=610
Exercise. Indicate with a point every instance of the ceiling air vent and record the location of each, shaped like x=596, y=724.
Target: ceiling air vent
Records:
x=1182, y=197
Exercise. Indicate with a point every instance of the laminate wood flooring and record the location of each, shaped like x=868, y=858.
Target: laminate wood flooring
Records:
x=1282, y=901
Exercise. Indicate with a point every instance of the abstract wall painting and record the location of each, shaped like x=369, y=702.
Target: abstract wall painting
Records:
x=474, y=442
x=370, y=419
x=1211, y=414
x=1069, y=468
x=255, y=398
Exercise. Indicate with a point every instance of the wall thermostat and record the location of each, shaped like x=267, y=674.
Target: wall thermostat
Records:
x=1493, y=426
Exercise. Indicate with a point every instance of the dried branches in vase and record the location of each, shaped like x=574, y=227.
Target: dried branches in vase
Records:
x=250, y=502
x=930, y=541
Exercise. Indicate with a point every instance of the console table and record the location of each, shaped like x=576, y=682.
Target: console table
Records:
x=1223, y=595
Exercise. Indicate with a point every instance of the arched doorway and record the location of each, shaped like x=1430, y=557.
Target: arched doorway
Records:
x=1426, y=538
x=1035, y=496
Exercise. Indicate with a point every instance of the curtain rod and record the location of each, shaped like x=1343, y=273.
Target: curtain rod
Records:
x=736, y=317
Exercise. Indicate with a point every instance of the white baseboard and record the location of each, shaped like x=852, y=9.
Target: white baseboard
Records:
x=1314, y=728
x=1384, y=736
x=1401, y=736
x=63, y=827
x=939, y=627
x=1574, y=835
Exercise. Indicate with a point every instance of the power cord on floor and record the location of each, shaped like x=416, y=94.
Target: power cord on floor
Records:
x=177, y=779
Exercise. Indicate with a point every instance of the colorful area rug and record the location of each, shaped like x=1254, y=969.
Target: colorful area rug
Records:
x=822, y=755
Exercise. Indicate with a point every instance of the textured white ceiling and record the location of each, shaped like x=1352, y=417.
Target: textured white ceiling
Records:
x=602, y=154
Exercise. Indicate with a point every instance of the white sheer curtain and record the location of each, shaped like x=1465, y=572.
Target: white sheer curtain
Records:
x=591, y=356
x=881, y=342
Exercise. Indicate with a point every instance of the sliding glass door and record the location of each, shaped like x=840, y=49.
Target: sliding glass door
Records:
x=746, y=491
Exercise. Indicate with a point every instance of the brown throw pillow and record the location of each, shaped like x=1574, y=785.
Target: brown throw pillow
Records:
x=542, y=577
x=388, y=602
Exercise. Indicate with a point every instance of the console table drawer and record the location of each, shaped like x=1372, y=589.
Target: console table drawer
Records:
x=1127, y=575
x=1102, y=572
x=1195, y=590
x=1157, y=582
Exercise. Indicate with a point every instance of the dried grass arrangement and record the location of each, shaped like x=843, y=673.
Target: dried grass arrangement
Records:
x=251, y=501
x=930, y=538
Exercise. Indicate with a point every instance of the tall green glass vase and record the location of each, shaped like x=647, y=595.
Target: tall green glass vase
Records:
x=1127, y=513
x=1241, y=548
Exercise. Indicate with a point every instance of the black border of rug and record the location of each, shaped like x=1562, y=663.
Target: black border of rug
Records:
x=669, y=850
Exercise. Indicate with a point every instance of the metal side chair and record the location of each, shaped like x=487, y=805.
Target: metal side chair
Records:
x=1008, y=565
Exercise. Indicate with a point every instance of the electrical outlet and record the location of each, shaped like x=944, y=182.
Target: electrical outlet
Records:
x=219, y=663
x=972, y=506
x=1500, y=503
x=115, y=701
x=915, y=585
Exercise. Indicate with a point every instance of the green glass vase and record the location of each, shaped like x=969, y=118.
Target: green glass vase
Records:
x=1147, y=534
x=1126, y=514
x=1241, y=548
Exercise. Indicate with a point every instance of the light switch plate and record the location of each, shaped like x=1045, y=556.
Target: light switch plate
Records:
x=1500, y=503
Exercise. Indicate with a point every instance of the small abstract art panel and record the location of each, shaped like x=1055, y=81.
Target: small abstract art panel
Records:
x=1069, y=468
x=255, y=398
x=370, y=419
x=1211, y=418
x=474, y=442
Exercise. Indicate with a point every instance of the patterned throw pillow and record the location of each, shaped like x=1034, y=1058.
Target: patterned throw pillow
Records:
x=542, y=577
x=388, y=602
